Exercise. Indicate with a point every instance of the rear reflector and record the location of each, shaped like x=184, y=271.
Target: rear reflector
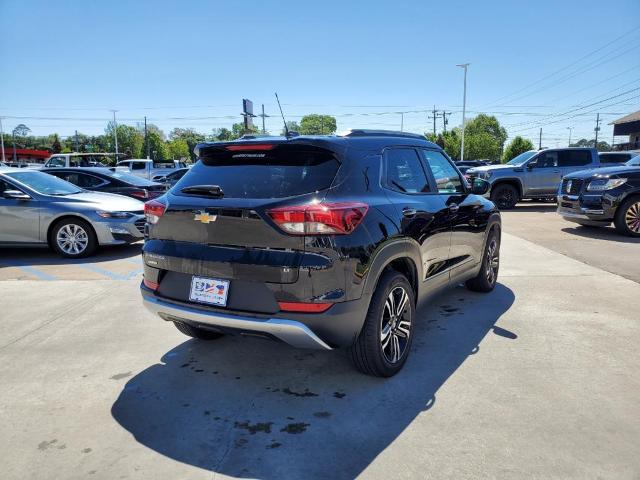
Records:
x=304, y=307
x=153, y=210
x=319, y=218
x=255, y=146
x=149, y=284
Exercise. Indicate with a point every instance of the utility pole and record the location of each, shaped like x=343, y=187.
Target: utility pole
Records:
x=570, y=131
x=264, y=131
x=402, y=121
x=13, y=140
x=444, y=120
x=2, y=140
x=464, y=107
x=540, y=140
x=597, y=129
x=115, y=132
x=434, y=117
x=146, y=139
x=76, y=141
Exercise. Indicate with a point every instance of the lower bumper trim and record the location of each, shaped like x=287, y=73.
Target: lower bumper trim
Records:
x=292, y=332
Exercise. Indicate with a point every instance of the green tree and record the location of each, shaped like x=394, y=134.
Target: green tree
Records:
x=484, y=139
x=583, y=142
x=238, y=130
x=292, y=126
x=190, y=137
x=517, y=146
x=157, y=145
x=179, y=149
x=130, y=140
x=56, y=147
x=315, y=124
x=221, y=135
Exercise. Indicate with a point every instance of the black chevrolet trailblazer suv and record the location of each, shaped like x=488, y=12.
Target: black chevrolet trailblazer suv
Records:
x=318, y=241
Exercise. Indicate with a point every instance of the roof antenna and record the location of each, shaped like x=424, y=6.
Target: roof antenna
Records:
x=286, y=129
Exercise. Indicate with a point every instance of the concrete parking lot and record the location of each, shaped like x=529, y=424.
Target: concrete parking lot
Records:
x=538, y=379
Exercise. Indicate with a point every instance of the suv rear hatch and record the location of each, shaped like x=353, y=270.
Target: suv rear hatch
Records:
x=215, y=221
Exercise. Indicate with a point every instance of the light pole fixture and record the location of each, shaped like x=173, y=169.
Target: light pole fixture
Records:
x=464, y=107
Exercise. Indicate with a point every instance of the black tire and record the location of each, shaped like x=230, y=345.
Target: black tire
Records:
x=505, y=196
x=487, y=277
x=195, y=332
x=82, y=240
x=369, y=353
x=627, y=219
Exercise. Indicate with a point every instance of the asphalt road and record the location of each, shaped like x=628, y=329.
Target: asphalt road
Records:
x=600, y=247
x=538, y=379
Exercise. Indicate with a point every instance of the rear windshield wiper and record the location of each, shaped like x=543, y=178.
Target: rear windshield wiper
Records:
x=204, y=190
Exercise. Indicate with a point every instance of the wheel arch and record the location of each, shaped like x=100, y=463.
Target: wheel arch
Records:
x=400, y=255
x=513, y=181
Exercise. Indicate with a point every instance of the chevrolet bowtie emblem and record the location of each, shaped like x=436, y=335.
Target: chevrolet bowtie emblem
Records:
x=204, y=217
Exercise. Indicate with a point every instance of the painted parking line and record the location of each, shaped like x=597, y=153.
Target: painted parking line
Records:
x=107, y=273
x=28, y=269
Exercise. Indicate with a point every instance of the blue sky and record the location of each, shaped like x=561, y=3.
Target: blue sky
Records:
x=188, y=64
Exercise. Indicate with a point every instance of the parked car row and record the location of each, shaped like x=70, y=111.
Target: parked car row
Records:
x=536, y=174
x=38, y=209
x=73, y=209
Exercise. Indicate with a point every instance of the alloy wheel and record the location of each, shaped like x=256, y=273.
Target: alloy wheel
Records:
x=492, y=261
x=72, y=239
x=632, y=217
x=396, y=325
x=505, y=199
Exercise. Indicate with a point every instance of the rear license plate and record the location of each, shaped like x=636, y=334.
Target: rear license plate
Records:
x=211, y=291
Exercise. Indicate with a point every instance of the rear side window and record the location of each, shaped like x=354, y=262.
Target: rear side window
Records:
x=404, y=172
x=284, y=171
x=614, y=157
x=574, y=158
x=138, y=165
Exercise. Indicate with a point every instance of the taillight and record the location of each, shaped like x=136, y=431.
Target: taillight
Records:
x=304, y=307
x=153, y=210
x=149, y=284
x=142, y=193
x=319, y=218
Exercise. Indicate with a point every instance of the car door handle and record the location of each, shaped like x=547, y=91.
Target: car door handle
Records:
x=453, y=208
x=409, y=212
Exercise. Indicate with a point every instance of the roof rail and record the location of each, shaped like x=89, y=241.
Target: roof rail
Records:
x=380, y=133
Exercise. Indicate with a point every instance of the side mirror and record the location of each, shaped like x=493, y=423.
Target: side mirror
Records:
x=15, y=195
x=532, y=164
x=480, y=186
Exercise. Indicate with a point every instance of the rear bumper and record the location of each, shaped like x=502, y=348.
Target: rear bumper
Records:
x=337, y=327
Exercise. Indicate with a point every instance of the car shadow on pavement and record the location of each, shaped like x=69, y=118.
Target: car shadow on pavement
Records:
x=45, y=256
x=256, y=409
x=600, y=233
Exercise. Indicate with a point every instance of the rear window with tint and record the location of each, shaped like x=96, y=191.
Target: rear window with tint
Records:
x=284, y=171
x=614, y=157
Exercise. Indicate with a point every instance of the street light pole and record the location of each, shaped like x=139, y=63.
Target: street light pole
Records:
x=115, y=132
x=464, y=107
x=2, y=140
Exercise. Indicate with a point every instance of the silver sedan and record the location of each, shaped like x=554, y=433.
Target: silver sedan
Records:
x=37, y=209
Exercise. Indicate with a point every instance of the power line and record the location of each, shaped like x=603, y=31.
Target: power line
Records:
x=565, y=67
